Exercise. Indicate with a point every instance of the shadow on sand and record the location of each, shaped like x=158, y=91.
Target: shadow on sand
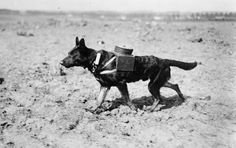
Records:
x=142, y=102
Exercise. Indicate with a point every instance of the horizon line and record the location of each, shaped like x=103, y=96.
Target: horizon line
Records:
x=113, y=11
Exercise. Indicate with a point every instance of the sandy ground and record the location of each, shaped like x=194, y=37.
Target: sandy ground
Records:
x=41, y=108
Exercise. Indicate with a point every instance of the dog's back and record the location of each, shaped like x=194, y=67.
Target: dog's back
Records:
x=145, y=67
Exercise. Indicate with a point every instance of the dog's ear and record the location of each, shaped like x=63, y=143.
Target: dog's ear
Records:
x=76, y=41
x=82, y=42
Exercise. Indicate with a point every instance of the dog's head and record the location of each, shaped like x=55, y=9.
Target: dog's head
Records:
x=78, y=56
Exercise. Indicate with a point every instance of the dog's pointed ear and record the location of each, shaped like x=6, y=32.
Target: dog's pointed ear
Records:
x=76, y=41
x=82, y=42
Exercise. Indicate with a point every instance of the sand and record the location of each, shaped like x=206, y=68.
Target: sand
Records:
x=41, y=108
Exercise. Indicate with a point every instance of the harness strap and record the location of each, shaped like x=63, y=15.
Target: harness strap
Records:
x=109, y=62
x=107, y=71
x=97, y=61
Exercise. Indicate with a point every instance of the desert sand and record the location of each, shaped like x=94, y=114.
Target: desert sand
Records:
x=41, y=106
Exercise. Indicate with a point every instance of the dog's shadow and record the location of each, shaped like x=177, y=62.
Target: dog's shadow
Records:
x=143, y=101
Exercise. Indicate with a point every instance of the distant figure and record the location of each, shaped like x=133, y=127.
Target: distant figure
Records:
x=1, y=80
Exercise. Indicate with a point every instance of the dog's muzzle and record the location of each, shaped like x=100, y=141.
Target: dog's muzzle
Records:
x=66, y=64
x=62, y=63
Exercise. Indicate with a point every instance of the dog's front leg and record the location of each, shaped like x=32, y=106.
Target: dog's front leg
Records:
x=125, y=95
x=102, y=95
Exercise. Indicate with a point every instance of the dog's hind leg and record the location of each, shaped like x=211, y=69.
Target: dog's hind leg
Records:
x=154, y=89
x=176, y=88
x=125, y=94
x=156, y=82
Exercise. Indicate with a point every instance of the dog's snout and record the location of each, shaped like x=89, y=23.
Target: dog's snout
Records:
x=62, y=62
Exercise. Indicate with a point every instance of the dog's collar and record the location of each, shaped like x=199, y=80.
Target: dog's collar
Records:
x=96, y=64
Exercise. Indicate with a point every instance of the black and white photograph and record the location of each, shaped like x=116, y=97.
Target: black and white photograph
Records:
x=117, y=74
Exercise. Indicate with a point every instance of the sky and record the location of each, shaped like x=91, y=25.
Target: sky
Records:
x=121, y=5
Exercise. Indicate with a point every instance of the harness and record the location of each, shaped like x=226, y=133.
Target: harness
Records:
x=96, y=64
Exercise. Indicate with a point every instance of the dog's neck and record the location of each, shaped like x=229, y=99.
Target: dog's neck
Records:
x=91, y=58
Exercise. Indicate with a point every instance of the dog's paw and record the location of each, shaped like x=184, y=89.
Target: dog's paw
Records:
x=132, y=106
x=145, y=108
x=96, y=110
x=89, y=110
x=148, y=109
x=152, y=108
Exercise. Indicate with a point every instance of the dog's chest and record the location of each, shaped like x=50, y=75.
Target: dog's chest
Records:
x=108, y=80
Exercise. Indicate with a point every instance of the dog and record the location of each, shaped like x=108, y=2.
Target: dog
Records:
x=151, y=68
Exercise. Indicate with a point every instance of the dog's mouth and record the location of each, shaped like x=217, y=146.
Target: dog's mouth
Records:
x=65, y=64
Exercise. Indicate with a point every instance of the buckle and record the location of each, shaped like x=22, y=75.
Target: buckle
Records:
x=94, y=68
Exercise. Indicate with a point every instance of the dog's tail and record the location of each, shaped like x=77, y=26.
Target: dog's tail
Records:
x=182, y=65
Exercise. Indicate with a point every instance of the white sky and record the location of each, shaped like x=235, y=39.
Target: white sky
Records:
x=121, y=5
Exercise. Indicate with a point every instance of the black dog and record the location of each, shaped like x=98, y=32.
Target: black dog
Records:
x=145, y=67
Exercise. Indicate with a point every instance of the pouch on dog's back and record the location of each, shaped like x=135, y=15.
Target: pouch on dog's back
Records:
x=124, y=59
